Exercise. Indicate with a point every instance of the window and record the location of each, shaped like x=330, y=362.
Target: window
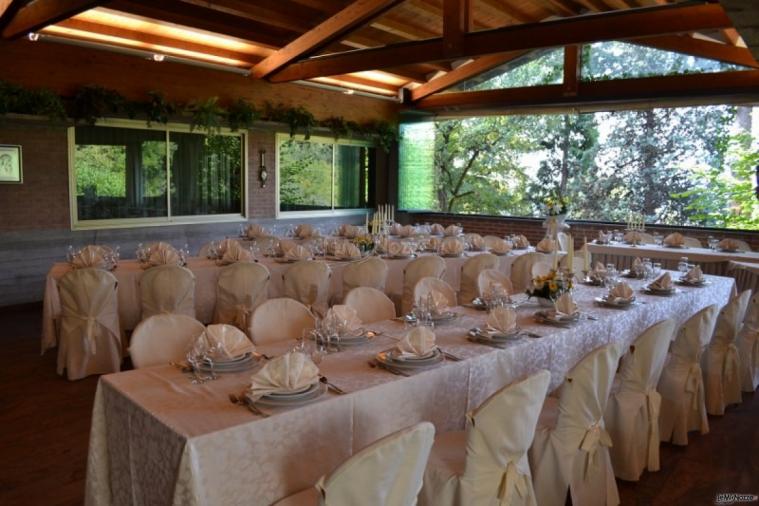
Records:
x=323, y=175
x=124, y=176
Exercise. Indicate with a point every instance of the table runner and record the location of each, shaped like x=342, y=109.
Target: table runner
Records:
x=157, y=439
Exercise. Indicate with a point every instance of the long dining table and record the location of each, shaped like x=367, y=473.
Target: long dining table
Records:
x=158, y=439
x=206, y=271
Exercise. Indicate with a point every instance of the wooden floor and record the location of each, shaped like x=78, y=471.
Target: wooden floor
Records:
x=44, y=426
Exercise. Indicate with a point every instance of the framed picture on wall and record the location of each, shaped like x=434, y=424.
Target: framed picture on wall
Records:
x=10, y=164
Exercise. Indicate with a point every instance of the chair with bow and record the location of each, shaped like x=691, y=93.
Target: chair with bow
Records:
x=487, y=464
x=490, y=277
x=308, y=282
x=748, y=347
x=163, y=338
x=371, y=272
x=469, y=273
x=682, y=385
x=632, y=414
x=370, y=304
x=422, y=267
x=387, y=472
x=167, y=289
x=521, y=270
x=279, y=320
x=241, y=288
x=571, y=447
x=89, y=341
x=721, y=363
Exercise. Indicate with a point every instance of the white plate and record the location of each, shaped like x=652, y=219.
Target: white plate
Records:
x=437, y=318
x=293, y=394
x=551, y=318
x=243, y=365
x=603, y=301
x=314, y=392
x=685, y=282
x=234, y=360
x=494, y=336
x=387, y=357
x=654, y=291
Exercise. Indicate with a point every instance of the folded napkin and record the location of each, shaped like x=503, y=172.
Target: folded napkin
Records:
x=633, y=237
x=599, y=267
x=398, y=249
x=603, y=237
x=90, y=256
x=304, y=230
x=255, y=230
x=637, y=266
x=396, y=228
x=695, y=275
x=664, y=282
x=298, y=253
x=493, y=290
x=164, y=254
x=344, y=316
x=437, y=229
x=503, y=319
x=500, y=247
x=521, y=242
x=621, y=292
x=407, y=231
x=285, y=245
x=476, y=242
x=728, y=244
x=674, y=239
x=228, y=341
x=382, y=245
x=437, y=301
x=347, y=249
x=286, y=373
x=433, y=243
x=452, y=230
x=565, y=305
x=420, y=341
x=234, y=253
x=546, y=245
x=452, y=246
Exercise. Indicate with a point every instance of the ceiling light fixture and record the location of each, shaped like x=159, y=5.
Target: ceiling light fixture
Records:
x=158, y=57
x=33, y=36
x=349, y=92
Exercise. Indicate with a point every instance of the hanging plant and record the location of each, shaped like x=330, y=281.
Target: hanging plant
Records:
x=297, y=118
x=384, y=133
x=338, y=126
x=207, y=116
x=93, y=102
x=158, y=109
x=39, y=102
x=241, y=115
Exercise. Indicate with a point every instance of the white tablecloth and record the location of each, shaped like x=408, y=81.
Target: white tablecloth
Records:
x=206, y=273
x=157, y=439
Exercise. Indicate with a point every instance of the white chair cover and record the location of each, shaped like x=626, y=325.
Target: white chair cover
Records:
x=89, y=341
x=571, y=447
x=742, y=245
x=632, y=415
x=370, y=304
x=748, y=347
x=541, y=268
x=308, y=282
x=470, y=270
x=242, y=287
x=167, y=289
x=487, y=464
x=692, y=242
x=422, y=267
x=163, y=338
x=387, y=473
x=429, y=284
x=521, y=270
x=721, y=362
x=491, y=240
x=563, y=240
x=682, y=385
x=490, y=277
x=371, y=271
x=646, y=238
x=280, y=319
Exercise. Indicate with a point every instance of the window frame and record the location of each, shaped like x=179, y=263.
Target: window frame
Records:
x=77, y=224
x=284, y=137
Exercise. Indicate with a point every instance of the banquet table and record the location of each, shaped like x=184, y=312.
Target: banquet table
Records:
x=158, y=439
x=746, y=275
x=129, y=272
x=711, y=261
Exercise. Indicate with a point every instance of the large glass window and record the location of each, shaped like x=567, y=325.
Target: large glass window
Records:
x=323, y=175
x=120, y=173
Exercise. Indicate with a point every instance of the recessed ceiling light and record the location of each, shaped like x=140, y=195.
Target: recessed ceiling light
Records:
x=349, y=92
x=158, y=57
x=33, y=36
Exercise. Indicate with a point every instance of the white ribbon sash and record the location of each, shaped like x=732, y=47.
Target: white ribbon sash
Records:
x=513, y=481
x=595, y=436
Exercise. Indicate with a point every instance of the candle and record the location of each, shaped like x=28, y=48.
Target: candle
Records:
x=571, y=254
x=392, y=212
x=555, y=259
x=586, y=254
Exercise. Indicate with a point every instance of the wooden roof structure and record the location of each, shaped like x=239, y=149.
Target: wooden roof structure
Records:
x=407, y=49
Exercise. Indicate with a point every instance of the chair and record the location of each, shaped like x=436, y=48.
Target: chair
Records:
x=681, y=385
x=205, y=250
x=308, y=281
x=370, y=304
x=521, y=270
x=489, y=277
x=422, y=267
x=163, y=338
x=89, y=340
x=371, y=271
x=563, y=240
x=470, y=270
x=692, y=242
x=721, y=363
x=748, y=347
x=241, y=288
x=491, y=240
x=279, y=320
x=742, y=245
x=386, y=473
x=632, y=414
x=541, y=268
x=487, y=464
x=571, y=447
x=426, y=285
x=646, y=238
x=167, y=289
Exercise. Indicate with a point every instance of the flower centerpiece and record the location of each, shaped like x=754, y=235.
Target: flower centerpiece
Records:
x=364, y=242
x=549, y=287
x=556, y=207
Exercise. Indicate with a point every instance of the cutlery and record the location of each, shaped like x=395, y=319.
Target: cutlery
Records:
x=244, y=401
x=397, y=372
x=449, y=356
x=491, y=344
x=332, y=386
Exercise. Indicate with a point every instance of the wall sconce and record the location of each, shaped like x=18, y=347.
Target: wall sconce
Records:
x=262, y=174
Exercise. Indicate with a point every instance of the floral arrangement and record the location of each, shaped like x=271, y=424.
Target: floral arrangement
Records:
x=556, y=204
x=364, y=242
x=549, y=286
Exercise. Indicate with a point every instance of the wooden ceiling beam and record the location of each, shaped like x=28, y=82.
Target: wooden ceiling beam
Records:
x=510, y=10
x=328, y=31
x=457, y=22
x=572, y=69
x=616, y=25
x=686, y=44
x=41, y=13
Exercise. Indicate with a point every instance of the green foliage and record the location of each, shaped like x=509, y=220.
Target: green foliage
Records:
x=40, y=102
x=206, y=116
x=338, y=126
x=94, y=102
x=298, y=119
x=158, y=109
x=305, y=174
x=241, y=115
x=383, y=132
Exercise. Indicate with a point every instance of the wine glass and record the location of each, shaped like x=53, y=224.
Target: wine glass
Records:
x=70, y=253
x=682, y=265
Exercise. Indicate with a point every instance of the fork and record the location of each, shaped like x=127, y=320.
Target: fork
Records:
x=332, y=386
x=244, y=401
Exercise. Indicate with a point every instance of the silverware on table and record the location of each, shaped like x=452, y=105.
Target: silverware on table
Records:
x=389, y=368
x=332, y=386
x=242, y=400
x=449, y=356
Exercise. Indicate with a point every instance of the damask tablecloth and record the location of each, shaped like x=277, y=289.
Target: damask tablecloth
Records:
x=206, y=273
x=157, y=439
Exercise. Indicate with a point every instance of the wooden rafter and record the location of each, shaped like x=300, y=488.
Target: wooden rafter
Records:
x=41, y=13
x=572, y=65
x=616, y=25
x=702, y=48
x=457, y=22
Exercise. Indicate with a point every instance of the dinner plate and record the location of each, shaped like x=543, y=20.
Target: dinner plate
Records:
x=654, y=291
x=603, y=301
x=480, y=304
x=628, y=273
x=447, y=316
x=390, y=358
x=495, y=336
x=293, y=394
x=349, y=340
x=314, y=392
x=223, y=367
x=593, y=281
x=551, y=318
x=685, y=282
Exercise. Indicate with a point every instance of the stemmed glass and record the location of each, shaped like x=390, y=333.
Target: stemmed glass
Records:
x=713, y=242
x=682, y=265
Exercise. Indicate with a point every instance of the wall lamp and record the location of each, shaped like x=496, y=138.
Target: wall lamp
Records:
x=262, y=174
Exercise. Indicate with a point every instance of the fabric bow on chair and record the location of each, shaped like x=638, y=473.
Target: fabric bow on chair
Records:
x=88, y=337
x=595, y=436
x=694, y=384
x=653, y=401
x=513, y=481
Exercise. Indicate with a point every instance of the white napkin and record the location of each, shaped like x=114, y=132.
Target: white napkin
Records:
x=407, y=231
x=398, y=249
x=349, y=231
x=603, y=237
x=433, y=243
x=347, y=250
x=621, y=292
x=501, y=247
x=632, y=237
x=382, y=245
x=341, y=313
x=728, y=244
x=695, y=275
x=164, y=254
x=437, y=229
x=476, y=242
x=521, y=242
x=255, y=230
x=286, y=245
x=452, y=246
x=452, y=230
x=420, y=341
x=674, y=239
x=304, y=230
x=90, y=256
x=230, y=341
x=637, y=263
x=439, y=301
x=495, y=289
x=503, y=319
x=565, y=305
x=287, y=373
x=235, y=253
x=395, y=229
x=546, y=245
x=600, y=268
x=664, y=282
x=298, y=253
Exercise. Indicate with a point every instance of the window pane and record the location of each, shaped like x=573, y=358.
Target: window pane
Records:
x=351, y=176
x=120, y=173
x=206, y=174
x=305, y=171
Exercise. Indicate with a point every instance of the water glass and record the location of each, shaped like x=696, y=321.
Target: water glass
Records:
x=713, y=242
x=682, y=265
x=657, y=268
